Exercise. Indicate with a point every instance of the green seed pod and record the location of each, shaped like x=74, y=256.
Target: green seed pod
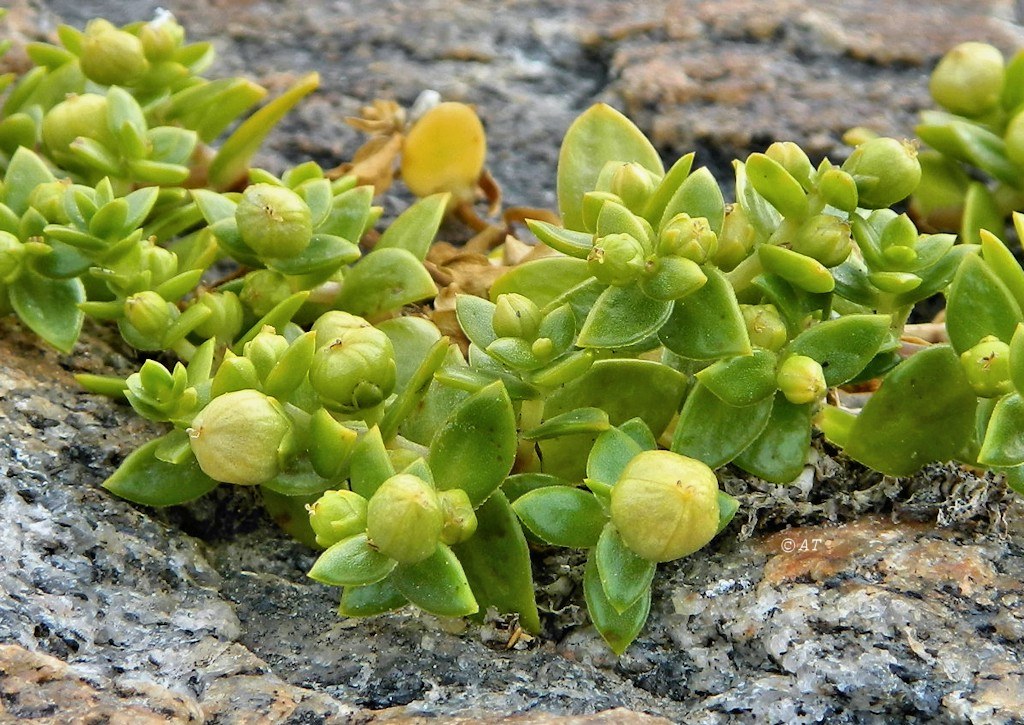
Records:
x=404, y=519
x=801, y=380
x=149, y=314
x=765, y=327
x=111, y=57
x=616, y=259
x=688, y=237
x=12, y=253
x=987, y=366
x=274, y=221
x=736, y=240
x=334, y=325
x=240, y=437
x=793, y=159
x=265, y=350
x=459, y=517
x=84, y=116
x=591, y=208
x=886, y=171
x=969, y=79
x=337, y=515
x=356, y=372
x=825, y=238
x=633, y=184
x=516, y=316
x=665, y=506
x=48, y=200
x=263, y=289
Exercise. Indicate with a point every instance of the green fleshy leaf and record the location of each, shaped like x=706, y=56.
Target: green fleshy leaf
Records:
x=437, y=585
x=324, y=254
x=979, y=304
x=412, y=393
x=714, y=432
x=1004, y=440
x=923, y=412
x=415, y=228
x=802, y=271
x=331, y=445
x=497, y=563
x=475, y=315
x=981, y=212
x=708, y=324
x=522, y=483
x=352, y=562
x=370, y=465
x=476, y=446
x=727, y=508
x=742, y=380
x=50, y=307
x=698, y=196
x=601, y=134
x=612, y=452
x=383, y=281
x=614, y=218
x=655, y=207
x=581, y=420
x=566, y=241
x=618, y=629
x=25, y=172
x=542, y=280
x=298, y=480
x=774, y=183
x=780, y=452
x=1001, y=262
x=625, y=577
x=411, y=338
x=515, y=353
x=562, y=516
x=371, y=599
x=638, y=431
x=144, y=479
x=843, y=346
x=1015, y=479
x=278, y=317
x=622, y=316
x=350, y=214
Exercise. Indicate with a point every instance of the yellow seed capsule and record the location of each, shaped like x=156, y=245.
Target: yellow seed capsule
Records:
x=665, y=505
x=445, y=151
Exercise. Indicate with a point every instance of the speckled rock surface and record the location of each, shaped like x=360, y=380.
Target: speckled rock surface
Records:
x=111, y=612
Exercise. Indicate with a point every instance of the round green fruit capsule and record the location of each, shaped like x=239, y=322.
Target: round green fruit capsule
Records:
x=765, y=326
x=801, y=380
x=238, y=437
x=987, y=366
x=111, y=57
x=516, y=316
x=885, y=170
x=337, y=515
x=404, y=519
x=688, y=237
x=82, y=116
x=356, y=371
x=825, y=238
x=616, y=259
x=274, y=221
x=634, y=184
x=334, y=325
x=969, y=79
x=665, y=505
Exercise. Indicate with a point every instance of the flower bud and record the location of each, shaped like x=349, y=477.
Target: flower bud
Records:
x=765, y=327
x=825, y=238
x=516, y=316
x=987, y=366
x=633, y=184
x=665, y=506
x=12, y=252
x=616, y=259
x=404, y=519
x=263, y=289
x=147, y=316
x=334, y=325
x=48, y=200
x=736, y=240
x=688, y=237
x=969, y=79
x=356, y=372
x=458, y=515
x=161, y=263
x=111, y=57
x=265, y=350
x=225, y=320
x=793, y=159
x=274, y=221
x=886, y=171
x=239, y=437
x=161, y=37
x=83, y=115
x=337, y=515
x=801, y=380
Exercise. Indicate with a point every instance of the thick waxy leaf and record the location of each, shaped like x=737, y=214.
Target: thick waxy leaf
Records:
x=798, y=269
x=411, y=337
x=638, y=431
x=145, y=479
x=979, y=304
x=1004, y=439
x=612, y=452
x=742, y=380
x=370, y=464
x=698, y=196
x=1017, y=359
x=623, y=316
x=654, y=210
x=562, y=515
x=542, y=280
x=601, y=134
x=414, y=229
x=727, y=508
x=384, y=280
x=372, y=599
x=325, y=253
x=923, y=412
x=618, y=629
x=331, y=444
x=475, y=315
x=581, y=420
x=1003, y=264
x=566, y=241
x=278, y=317
x=708, y=324
x=352, y=562
x=521, y=483
x=715, y=432
x=50, y=307
x=625, y=577
x=475, y=448
x=298, y=480
x=779, y=453
x=25, y=172
x=843, y=346
x=614, y=218
x=497, y=563
x=777, y=185
x=437, y=585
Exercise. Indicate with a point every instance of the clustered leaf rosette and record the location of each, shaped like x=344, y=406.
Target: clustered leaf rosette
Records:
x=641, y=507
x=973, y=171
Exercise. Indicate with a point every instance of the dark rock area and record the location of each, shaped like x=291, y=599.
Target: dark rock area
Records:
x=848, y=597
